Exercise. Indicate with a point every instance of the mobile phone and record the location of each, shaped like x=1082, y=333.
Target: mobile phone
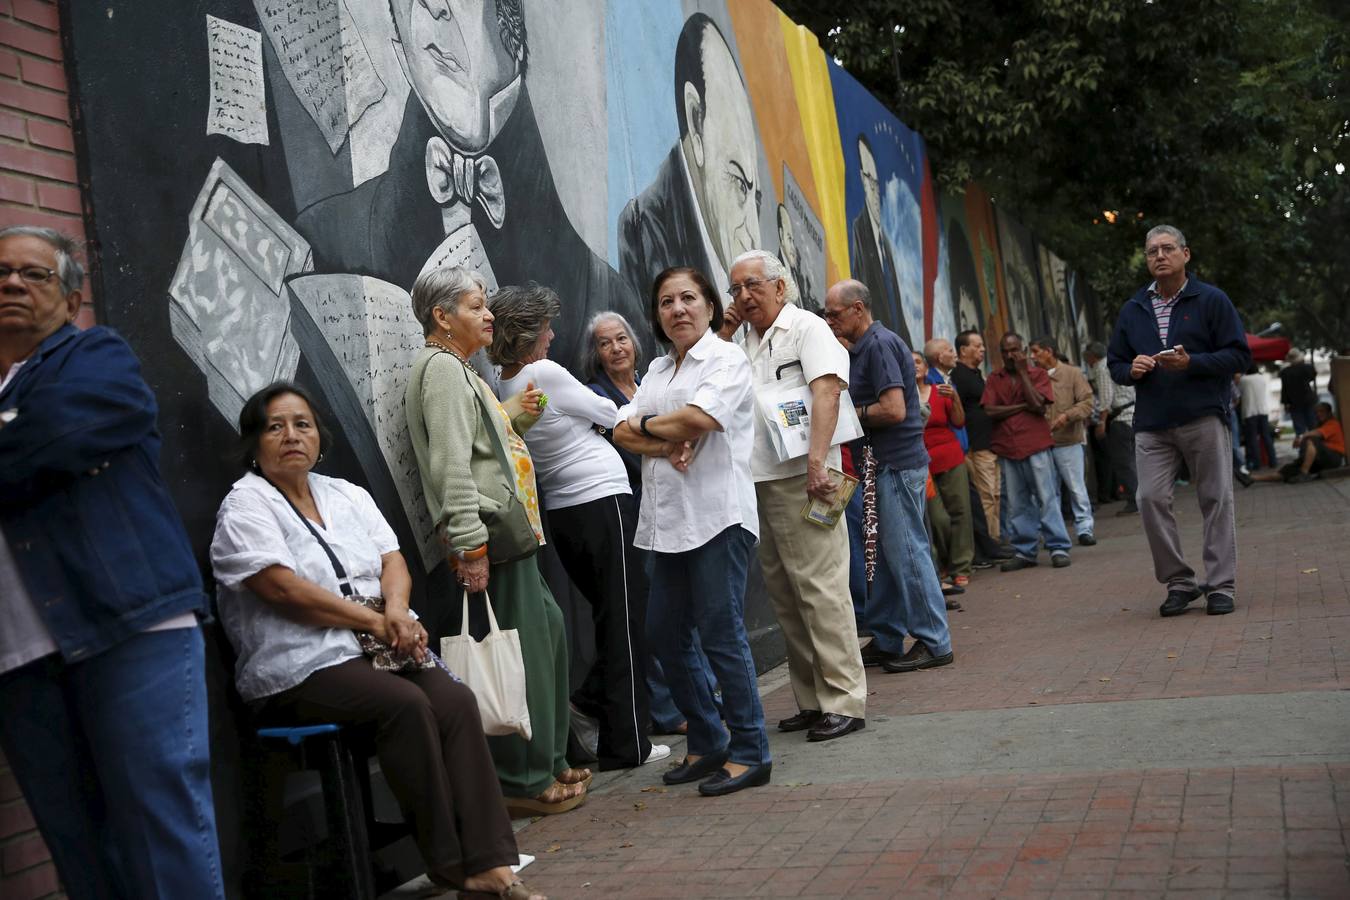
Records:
x=1170, y=351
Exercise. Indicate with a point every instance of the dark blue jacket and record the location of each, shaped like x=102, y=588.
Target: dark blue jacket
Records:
x=104, y=555
x=1206, y=323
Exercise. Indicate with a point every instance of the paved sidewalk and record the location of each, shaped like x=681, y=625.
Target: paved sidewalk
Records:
x=1080, y=746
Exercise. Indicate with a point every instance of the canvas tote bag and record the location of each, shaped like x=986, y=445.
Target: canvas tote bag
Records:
x=494, y=670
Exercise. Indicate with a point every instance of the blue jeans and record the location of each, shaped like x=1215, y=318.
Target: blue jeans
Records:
x=1259, y=436
x=699, y=596
x=112, y=754
x=1033, y=500
x=857, y=561
x=665, y=715
x=1069, y=465
x=906, y=595
x=1238, y=461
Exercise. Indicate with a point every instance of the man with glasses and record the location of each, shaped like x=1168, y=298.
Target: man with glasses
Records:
x=102, y=697
x=905, y=595
x=1179, y=342
x=870, y=253
x=805, y=565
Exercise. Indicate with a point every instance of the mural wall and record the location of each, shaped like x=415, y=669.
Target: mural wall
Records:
x=270, y=177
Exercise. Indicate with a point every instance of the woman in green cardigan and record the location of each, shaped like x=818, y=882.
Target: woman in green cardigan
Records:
x=449, y=409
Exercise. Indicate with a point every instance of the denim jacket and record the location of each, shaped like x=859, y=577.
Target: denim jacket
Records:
x=90, y=522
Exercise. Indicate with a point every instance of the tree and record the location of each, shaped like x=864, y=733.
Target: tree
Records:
x=1093, y=120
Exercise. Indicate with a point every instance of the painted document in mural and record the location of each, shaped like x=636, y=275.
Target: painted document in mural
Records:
x=366, y=325
x=229, y=309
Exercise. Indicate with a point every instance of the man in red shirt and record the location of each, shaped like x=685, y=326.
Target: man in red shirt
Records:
x=1016, y=398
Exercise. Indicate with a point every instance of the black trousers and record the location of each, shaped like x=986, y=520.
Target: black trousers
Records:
x=1101, y=465
x=430, y=743
x=1121, y=437
x=595, y=543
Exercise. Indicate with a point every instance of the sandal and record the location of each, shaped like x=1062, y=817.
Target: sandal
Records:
x=575, y=776
x=563, y=801
x=517, y=891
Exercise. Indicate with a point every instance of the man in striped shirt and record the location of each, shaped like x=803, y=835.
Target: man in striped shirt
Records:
x=1179, y=342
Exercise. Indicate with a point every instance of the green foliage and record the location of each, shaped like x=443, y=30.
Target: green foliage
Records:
x=1226, y=118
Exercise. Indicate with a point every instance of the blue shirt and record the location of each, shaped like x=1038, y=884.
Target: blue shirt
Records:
x=879, y=361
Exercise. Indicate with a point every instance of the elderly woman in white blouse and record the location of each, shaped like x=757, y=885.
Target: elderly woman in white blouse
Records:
x=591, y=514
x=693, y=421
x=294, y=553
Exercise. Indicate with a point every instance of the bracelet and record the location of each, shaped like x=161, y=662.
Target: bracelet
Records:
x=470, y=555
x=642, y=425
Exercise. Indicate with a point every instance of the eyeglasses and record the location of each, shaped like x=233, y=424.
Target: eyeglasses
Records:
x=30, y=274
x=1161, y=250
x=748, y=284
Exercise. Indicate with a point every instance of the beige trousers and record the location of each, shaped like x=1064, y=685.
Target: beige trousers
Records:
x=806, y=570
x=984, y=475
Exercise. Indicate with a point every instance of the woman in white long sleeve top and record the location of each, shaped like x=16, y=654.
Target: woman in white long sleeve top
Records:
x=591, y=516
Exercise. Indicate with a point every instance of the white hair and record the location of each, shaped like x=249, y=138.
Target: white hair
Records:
x=441, y=289
x=68, y=268
x=773, y=270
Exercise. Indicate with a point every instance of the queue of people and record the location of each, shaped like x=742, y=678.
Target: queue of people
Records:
x=656, y=488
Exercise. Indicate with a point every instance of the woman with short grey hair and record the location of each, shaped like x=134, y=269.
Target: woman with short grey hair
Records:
x=591, y=515
x=474, y=465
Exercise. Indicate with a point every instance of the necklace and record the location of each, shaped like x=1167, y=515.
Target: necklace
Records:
x=441, y=345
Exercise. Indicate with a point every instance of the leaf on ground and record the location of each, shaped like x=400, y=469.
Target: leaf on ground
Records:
x=625, y=845
x=553, y=848
x=639, y=806
x=1033, y=702
x=1308, y=571
x=1171, y=656
x=655, y=790
x=798, y=784
x=1017, y=596
x=1103, y=678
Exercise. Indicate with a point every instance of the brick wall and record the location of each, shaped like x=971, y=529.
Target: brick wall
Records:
x=38, y=186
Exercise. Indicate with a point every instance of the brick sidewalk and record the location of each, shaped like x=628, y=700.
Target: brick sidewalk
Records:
x=1083, y=634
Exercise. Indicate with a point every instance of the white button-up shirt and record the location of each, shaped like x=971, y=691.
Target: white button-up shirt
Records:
x=794, y=351
x=256, y=528
x=684, y=510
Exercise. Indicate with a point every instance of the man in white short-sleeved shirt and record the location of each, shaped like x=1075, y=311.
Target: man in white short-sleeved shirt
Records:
x=805, y=565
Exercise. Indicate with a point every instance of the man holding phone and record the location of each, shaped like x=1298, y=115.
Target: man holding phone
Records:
x=1179, y=342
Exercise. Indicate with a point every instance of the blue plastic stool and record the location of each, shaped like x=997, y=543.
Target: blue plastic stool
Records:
x=339, y=866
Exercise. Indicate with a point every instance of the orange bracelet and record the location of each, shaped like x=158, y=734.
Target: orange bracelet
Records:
x=471, y=555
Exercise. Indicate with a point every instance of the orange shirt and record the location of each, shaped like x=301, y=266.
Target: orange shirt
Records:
x=1332, y=436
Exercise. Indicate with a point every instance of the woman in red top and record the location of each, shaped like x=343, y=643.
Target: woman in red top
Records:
x=949, y=510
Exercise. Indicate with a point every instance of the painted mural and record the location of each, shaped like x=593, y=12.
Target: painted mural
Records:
x=264, y=195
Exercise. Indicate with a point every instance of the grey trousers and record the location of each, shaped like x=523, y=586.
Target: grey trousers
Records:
x=1206, y=447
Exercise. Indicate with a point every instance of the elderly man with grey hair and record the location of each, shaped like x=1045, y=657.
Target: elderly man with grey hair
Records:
x=805, y=566
x=1179, y=342
x=103, y=712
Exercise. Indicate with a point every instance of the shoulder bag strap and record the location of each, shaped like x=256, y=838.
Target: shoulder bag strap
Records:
x=338, y=569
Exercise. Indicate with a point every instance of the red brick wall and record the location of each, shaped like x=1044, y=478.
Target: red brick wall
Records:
x=37, y=187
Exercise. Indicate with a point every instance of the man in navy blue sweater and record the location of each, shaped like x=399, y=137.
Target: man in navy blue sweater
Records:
x=1179, y=342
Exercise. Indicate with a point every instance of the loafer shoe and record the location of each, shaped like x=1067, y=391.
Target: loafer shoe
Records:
x=688, y=771
x=1017, y=562
x=833, y=725
x=1059, y=560
x=1218, y=604
x=1087, y=540
x=723, y=782
x=872, y=655
x=806, y=718
x=919, y=657
x=1177, y=601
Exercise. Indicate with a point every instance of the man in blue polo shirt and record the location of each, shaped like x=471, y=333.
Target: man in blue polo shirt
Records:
x=1179, y=342
x=905, y=595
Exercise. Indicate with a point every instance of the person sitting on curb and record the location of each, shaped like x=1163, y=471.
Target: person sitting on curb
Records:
x=1321, y=448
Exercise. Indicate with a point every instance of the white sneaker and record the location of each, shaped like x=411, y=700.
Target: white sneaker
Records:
x=659, y=752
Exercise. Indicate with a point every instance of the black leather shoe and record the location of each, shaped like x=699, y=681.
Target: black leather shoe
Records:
x=1218, y=604
x=872, y=655
x=723, y=782
x=1005, y=551
x=1087, y=540
x=833, y=725
x=1243, y=478
x=1059, y=560
x=688, y=771
x=1017, y=562
x=919, y=657
x=1177, y=601
x=806, y=718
